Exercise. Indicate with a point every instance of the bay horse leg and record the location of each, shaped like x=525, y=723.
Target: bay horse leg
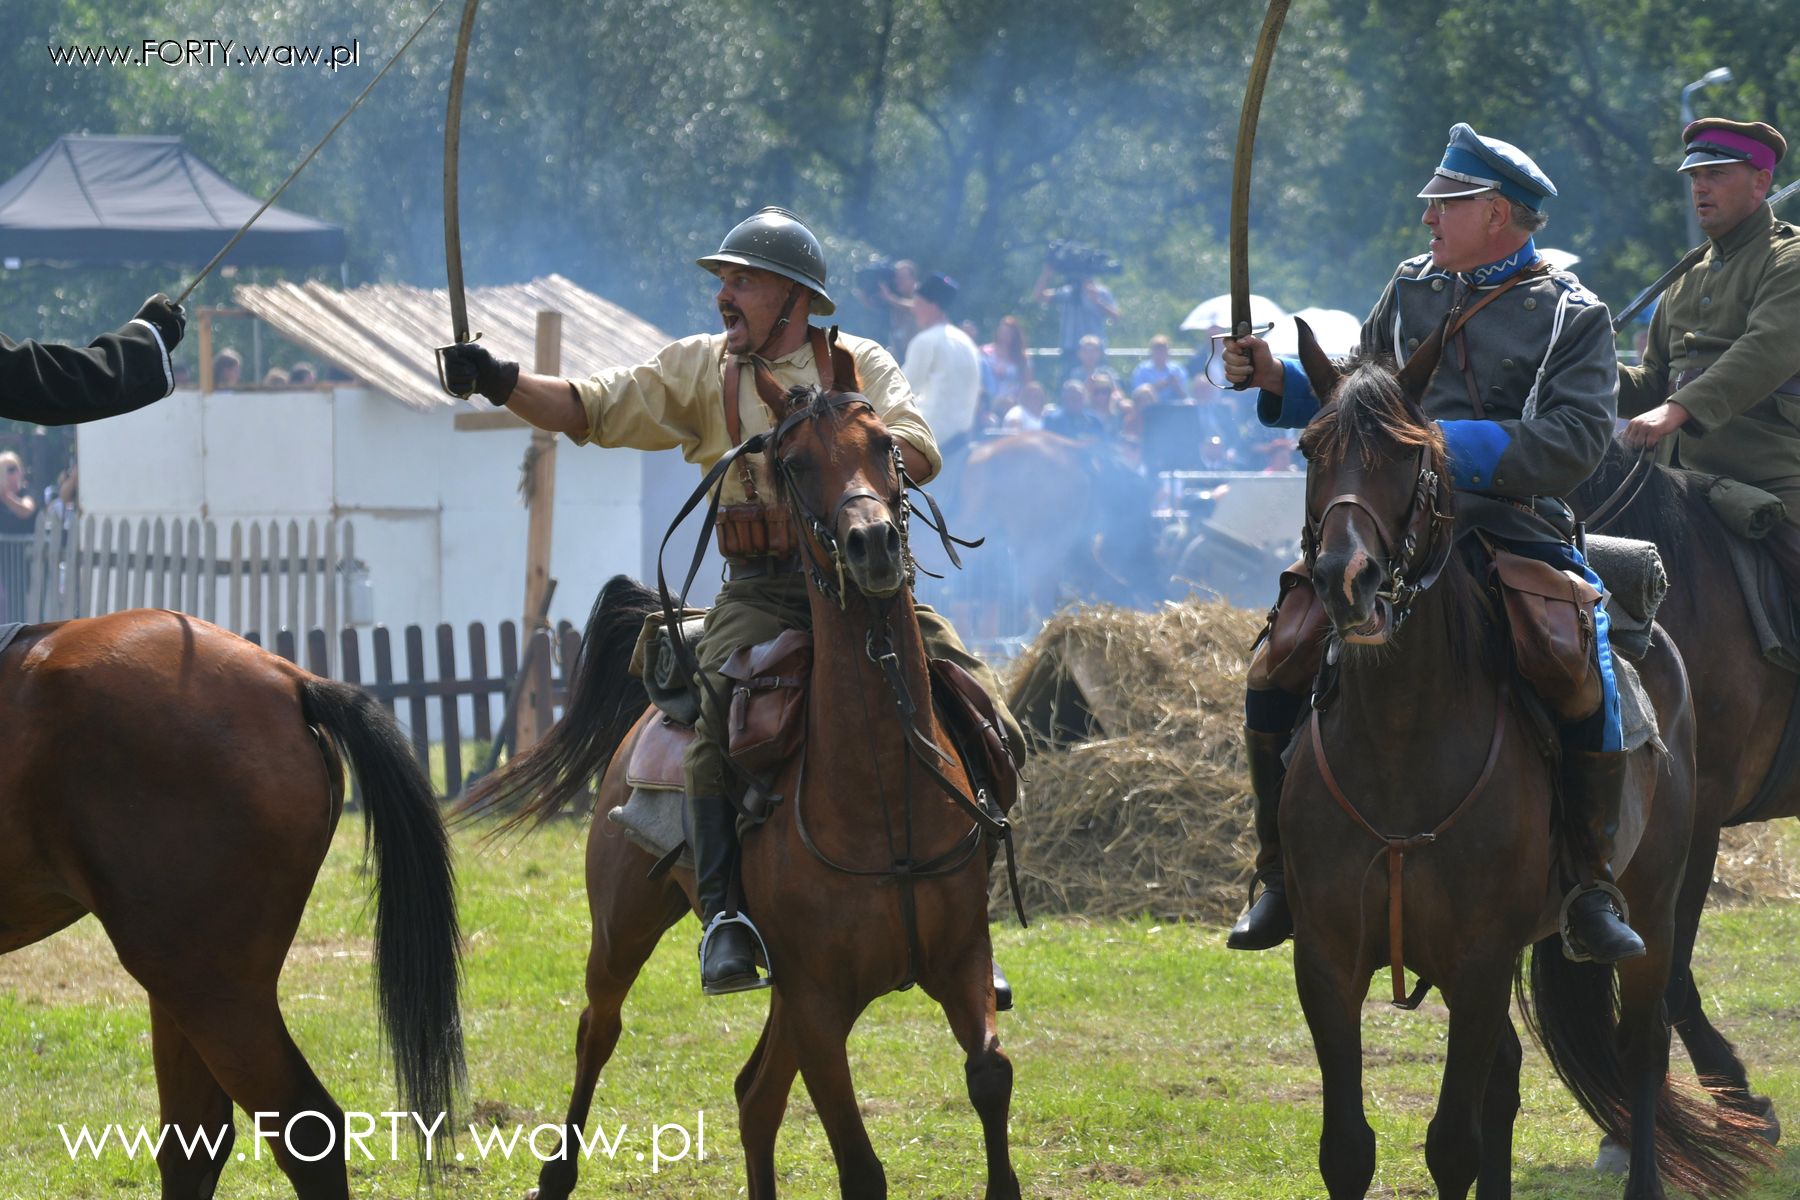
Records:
x=1454, y=1152
x=631, y=914
x=1644, y=1048
x=969, y=1007
x=1333, y=1006
x=1499, y=1110
x=822, y=1030
x=192, y=1102
x=762, y=1095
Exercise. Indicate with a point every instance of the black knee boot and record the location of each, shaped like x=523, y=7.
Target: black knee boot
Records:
x=728, y=942
x=1594, y=793
x=1267, y=922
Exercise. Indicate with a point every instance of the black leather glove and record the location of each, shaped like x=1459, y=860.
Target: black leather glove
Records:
x=468, y=367
x=168, y=317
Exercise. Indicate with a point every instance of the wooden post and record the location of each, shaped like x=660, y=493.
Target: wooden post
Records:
x=206, y=351
x=540, y=463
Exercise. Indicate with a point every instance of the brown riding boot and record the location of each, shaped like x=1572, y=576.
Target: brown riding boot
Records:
x=1267, y=922
x=1594, y=922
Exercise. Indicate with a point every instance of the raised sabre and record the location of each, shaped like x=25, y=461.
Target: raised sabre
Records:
x=1239, y=237
x=459, y=304
x=1675, y=272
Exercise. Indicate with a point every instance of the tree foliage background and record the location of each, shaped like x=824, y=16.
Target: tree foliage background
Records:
x=615, y=141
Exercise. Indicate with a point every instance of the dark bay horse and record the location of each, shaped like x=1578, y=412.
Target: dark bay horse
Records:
x=1742, y=703
x=818, y=875
x=1425, y=738
x=182, y=786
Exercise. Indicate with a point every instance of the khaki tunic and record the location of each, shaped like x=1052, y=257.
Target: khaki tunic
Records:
x=1737, y=314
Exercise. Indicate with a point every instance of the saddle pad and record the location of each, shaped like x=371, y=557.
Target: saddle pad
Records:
x=656, y=759
x=653, y=819
x=1774, y=631
x=8, y=632
x=1637, y=716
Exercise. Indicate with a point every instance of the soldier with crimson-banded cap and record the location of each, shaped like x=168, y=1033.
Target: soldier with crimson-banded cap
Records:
x=772, y=278
x=1721, y=372
x=1524, y=397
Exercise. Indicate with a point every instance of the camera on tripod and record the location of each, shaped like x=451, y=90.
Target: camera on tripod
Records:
x=874, y=275
x=1078, y=260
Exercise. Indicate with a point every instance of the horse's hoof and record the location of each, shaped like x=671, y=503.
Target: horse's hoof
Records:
x=1771, y=1130
x=1613, y=1159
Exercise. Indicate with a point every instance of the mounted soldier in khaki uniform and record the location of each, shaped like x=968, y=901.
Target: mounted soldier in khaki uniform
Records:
x=699, y=395
x=1720, y=379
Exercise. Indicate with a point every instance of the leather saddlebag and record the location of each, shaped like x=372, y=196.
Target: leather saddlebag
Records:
x=1551, y=613
x=756, y=531
x=1292, y=642
x=966, y=704
x=768, y=700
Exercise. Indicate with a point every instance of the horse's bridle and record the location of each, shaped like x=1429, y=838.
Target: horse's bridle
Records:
x=828, y=576
x=1424, y=543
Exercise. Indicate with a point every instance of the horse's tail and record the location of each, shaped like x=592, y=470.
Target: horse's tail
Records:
x=1572, y=1009
x=605, y=701
x=418, y=946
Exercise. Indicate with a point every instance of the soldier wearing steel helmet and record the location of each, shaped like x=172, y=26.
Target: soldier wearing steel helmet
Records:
x=772, y=280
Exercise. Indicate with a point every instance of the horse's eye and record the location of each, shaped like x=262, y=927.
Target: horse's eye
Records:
x=794, y=465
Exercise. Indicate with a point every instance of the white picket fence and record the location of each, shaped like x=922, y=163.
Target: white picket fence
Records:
x=269, y=576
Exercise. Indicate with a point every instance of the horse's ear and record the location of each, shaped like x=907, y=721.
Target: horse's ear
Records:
x=772, y=394
x=1416, y=375
x=844, y=376
x=1321, y=372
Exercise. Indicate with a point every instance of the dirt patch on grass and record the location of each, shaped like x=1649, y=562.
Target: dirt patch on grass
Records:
x=75, y=966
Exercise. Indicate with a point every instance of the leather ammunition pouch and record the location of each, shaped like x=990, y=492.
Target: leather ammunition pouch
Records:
x=1551, y=614
x=1292, y=642
x=756, y=531
x=768, y=700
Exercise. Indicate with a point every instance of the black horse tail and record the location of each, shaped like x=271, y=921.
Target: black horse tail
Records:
x=418, y=945
x=1572, y=1009
x=605, y=701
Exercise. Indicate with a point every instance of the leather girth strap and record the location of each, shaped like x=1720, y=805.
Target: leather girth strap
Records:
x=1395, y=847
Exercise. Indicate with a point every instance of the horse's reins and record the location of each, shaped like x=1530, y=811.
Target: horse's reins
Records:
x=1610, y=508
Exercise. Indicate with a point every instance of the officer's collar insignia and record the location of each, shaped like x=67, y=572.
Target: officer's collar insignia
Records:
x=1502, y=269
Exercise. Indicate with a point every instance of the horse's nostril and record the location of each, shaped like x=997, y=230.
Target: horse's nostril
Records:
x=856, y=544
x=893, y=542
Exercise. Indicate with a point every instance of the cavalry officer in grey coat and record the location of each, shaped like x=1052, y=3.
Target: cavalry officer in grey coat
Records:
x=1525, y=399
x=49, y=384
x=771, y=273
x=1721, y=373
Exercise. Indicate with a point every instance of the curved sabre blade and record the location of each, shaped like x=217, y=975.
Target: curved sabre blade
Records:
x=1240, y=167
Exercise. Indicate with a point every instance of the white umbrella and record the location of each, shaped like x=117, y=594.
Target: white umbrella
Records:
x=1561, y=260
x=1338, y=332
x=1216, y=313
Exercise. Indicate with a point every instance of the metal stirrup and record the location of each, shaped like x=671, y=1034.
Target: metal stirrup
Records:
x=737, y=918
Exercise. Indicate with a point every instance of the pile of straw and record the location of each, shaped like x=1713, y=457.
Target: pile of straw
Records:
x=1137, y=802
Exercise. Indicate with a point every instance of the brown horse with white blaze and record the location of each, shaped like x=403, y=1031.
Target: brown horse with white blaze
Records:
x=1420, y=758
x=182, y=786
x=865, y=878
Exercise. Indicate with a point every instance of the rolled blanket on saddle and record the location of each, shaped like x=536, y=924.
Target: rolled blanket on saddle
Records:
x=1635, y=585
x=1747, y=511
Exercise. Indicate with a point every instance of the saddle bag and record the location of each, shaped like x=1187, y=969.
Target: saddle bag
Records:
x=1292, y=641
x=1551, y=614
x=966, y=705
x=768, y=700
x=756, y=531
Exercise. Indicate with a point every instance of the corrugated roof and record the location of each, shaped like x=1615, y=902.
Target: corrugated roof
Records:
x=384, y=334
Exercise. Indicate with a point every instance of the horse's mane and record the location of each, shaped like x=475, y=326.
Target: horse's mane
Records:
x=1669, y=507
x=1370, y=413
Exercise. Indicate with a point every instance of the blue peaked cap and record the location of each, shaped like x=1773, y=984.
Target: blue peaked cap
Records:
x=1473, y=163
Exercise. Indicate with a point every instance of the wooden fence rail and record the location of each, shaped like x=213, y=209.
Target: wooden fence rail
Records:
x=411, y=690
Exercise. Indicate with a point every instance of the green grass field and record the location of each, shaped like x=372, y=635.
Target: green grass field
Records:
x=1150, y=1062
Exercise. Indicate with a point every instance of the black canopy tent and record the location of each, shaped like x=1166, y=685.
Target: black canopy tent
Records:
x=94, y=200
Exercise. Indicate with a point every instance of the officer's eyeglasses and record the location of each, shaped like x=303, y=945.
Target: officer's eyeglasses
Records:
x=1438, y=204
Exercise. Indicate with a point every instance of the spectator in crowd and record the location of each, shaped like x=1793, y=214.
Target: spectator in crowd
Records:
x=1026, y=416
x=943, y=366
x=1167, y=379
x=228, y=369
x=303, y=375
x=903, y=322
x=1090, y=356
x=18, y=516
x=1070, y=417
x=63, y=499
x=182, y=375
x=276, y=379
x=1104, y=399
x=1006, y=363
x=1086, y=307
